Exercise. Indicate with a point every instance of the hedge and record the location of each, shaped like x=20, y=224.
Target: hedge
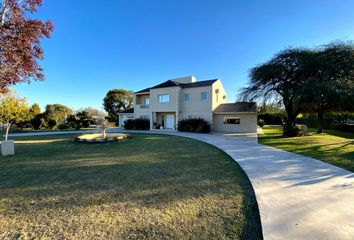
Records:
x=197, y=125
x=137, y=124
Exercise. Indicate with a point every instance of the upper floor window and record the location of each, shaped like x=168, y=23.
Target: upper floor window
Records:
x=187, y=97
x=204, y=96
x=165, y=98
x=147, y=101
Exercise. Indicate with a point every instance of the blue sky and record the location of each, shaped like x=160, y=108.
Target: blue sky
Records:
x=101, y=45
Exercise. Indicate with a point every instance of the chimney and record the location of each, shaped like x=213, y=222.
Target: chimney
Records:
x=190, y=79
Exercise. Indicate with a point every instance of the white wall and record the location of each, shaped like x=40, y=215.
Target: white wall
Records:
x=248, y=123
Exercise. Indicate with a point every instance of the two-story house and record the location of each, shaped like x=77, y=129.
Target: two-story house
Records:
x=167, y=103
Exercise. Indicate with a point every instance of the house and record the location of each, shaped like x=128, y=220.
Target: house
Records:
x=169, y=102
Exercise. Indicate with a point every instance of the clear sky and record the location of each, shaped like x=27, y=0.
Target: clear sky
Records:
x=101, y=45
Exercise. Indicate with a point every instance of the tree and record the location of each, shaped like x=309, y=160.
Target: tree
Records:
x=281, y=80
x=12, y=109
x=57, y=112
x=20, y=47
x=85, y=118
x=34, y=110
x=330, y=84
x=117, y=100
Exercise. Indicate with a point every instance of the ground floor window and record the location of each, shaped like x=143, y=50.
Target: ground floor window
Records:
x=144, y=116
x=231, y=120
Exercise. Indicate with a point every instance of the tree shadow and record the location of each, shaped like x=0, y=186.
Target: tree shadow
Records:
x=143, y=172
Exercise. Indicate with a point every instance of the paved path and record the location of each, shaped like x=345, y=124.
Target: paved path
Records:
x=298, y=197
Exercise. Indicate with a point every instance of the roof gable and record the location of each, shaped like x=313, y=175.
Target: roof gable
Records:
x=171, y=83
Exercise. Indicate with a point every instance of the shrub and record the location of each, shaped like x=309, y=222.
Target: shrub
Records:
x=197, y=125
x=312, y=122
x=137, y=124
x=23, y=124
x=52, y=123
x=63, y=126
x=85, y=123
x=346, y=127
x=290, y=131
x=38, y=121
x=272, y=118
x=261, y=123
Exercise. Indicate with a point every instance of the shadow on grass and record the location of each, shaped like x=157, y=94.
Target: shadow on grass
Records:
x=144, y=172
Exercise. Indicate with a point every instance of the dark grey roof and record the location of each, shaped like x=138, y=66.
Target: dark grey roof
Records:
x=146, y=90
x=236, y=107
x=171, y=83
x=130, y=110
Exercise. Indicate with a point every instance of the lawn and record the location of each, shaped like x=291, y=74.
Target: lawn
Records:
x=149, y=187
x=334, y=147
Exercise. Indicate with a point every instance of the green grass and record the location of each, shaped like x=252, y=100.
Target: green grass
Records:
x=334, y=147
x=148, y=187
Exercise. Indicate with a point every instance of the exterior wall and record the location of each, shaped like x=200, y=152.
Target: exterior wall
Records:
x=220, y=97
x=171, y=106
x=248, y=123
x=196, y=107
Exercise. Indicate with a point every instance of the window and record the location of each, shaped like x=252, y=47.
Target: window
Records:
x=147, y=101
x=231, y=120
x=204, y=96
x=144, y=116
x=164, y=98
x=187, y=97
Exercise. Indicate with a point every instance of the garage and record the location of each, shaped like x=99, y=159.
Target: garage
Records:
x=238, y=117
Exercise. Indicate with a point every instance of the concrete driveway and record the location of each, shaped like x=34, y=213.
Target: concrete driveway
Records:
x=298, y=197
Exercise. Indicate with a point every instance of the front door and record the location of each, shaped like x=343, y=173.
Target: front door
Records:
x=170, y=121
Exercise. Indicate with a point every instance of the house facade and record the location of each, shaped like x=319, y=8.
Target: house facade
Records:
x=173, y=100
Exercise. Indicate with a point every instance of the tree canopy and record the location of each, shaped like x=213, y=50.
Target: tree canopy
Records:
x=20, y=47
x=12, y=109
x=57, y=112
x=280, y=79
x=117, y=100
x=315, y=80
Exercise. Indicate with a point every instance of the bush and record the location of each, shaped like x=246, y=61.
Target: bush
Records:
x=346, y=128
x=272, y=118
x=52, y=123
x=197, y=125
x=261, y=123
x=63, y=126
x=312, y=122
x=38, y=121
x=290, y=131
x=23, y=124
x=137, y=124
x=85, y=123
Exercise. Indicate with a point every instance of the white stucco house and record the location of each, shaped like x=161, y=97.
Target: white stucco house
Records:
x=173, y=100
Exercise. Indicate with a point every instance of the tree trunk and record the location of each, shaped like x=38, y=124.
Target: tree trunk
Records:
x=291, y=117
x=320, y=121
x=3, y=13
x=7, y=131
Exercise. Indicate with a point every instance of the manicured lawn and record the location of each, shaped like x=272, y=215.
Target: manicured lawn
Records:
x=149, y=187
x=332, y=146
